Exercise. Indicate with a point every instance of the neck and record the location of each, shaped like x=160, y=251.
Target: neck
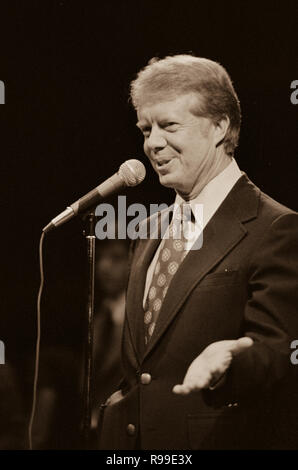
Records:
x=220, y=163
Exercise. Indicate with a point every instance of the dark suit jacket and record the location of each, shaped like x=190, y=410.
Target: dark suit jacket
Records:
x=243, y=281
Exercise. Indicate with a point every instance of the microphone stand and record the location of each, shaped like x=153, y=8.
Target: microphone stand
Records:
x=89, y=234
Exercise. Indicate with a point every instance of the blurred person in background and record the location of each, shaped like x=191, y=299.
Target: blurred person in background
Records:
x=111, y=279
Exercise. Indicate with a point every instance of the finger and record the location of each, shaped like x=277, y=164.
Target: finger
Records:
x=240, y=345
x=181, y=389
x=188, y=387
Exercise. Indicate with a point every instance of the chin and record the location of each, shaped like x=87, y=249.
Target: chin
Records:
x=167, y=181
x=173, y=184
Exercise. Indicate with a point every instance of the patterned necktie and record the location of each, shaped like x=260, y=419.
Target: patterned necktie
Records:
x=171, y=254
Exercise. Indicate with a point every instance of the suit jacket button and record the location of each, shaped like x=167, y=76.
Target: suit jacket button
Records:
x=145, y=379
x=131, y=429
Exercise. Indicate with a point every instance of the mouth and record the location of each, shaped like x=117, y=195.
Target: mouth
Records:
x=162, y=163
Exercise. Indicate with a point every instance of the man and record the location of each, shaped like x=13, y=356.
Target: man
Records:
x=206, y=345
x=111, y=273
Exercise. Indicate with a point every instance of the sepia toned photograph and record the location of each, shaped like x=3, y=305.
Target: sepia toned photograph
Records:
x=150, y=231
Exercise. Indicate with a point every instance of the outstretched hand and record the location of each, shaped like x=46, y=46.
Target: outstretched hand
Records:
x=207, y=368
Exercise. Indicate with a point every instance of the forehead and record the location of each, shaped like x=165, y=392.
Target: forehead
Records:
x=154, y=107
x=112, y=248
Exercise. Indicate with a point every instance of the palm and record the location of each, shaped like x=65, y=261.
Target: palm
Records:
x=211, y=364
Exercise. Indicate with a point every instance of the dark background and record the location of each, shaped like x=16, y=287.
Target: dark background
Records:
x=67, y=125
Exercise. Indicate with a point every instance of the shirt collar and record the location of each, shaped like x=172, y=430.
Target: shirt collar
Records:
x=213, y=194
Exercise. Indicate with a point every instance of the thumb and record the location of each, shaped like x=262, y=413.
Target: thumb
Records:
x=240, y=345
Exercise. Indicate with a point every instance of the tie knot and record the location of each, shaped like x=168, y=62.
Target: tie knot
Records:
x=181, y=221
x=183, y=212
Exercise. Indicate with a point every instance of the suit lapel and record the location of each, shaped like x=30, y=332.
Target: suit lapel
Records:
x=138, y=273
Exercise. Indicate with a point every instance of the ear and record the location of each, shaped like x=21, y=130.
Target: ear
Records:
x=221, y=128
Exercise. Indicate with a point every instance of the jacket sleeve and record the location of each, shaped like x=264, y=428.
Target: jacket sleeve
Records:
x=270, y=317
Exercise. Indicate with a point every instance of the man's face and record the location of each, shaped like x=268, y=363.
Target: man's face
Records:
x=111, y=267
x=179, y=145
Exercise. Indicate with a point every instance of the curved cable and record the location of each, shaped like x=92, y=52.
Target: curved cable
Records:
x=37, y=347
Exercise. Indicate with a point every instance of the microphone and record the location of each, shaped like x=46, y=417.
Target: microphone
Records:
x=131, y=173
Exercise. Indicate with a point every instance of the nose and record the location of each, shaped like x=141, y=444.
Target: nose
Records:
x=156, y=140
x=105, y=265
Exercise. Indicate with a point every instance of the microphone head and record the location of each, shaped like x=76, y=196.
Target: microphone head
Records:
x=132, y=172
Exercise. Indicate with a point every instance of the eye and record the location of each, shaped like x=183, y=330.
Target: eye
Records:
x=171, y=126
x=146, y=131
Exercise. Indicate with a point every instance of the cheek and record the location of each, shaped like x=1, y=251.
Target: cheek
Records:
x=146, y=150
